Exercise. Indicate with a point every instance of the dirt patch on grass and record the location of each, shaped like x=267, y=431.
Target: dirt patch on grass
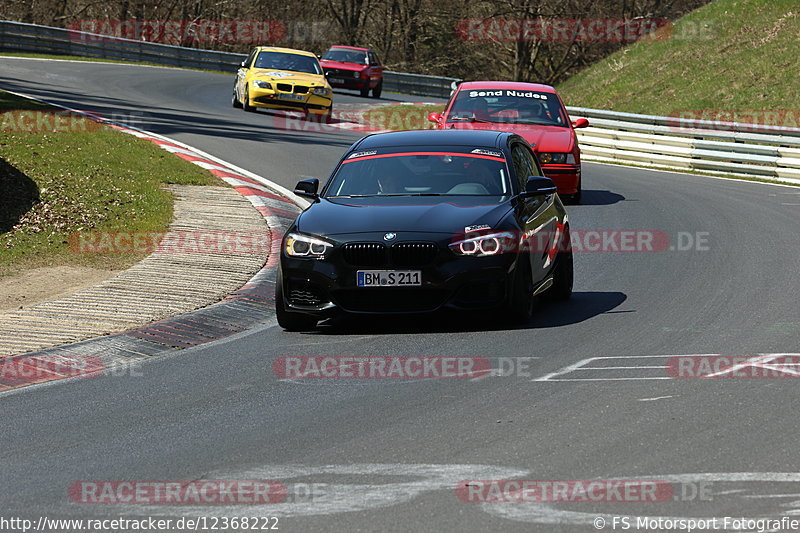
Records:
x=47, y=283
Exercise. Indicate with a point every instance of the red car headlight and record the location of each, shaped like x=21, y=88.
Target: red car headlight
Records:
x=556, y=158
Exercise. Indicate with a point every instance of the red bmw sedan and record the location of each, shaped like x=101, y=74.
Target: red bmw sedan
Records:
x=531, y=110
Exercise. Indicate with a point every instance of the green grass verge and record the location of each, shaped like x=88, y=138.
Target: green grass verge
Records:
x=402, y=117
x=80, y=177
x=730, y=55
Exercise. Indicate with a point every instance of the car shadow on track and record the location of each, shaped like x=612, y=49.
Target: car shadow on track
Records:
x=597, y=197
x=582, y=306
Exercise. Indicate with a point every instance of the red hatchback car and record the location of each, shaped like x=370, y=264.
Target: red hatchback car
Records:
x=348, y=67
x=531, y=110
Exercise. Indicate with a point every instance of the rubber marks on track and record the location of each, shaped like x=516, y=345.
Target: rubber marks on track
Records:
x=333, y=489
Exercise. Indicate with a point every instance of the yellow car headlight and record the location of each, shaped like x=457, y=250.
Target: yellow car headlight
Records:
x=320, y=91
x=262, y=84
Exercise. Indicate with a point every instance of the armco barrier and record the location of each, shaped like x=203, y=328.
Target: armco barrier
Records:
x=20, y=37
x=31, y=38
x=744, y=150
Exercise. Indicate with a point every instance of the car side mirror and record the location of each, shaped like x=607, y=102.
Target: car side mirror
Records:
x=539, y=186
x=580, y=123
x=243, y=64
x=435, y=117
x=307, y=188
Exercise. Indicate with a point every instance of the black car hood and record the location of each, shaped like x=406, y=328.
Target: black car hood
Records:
x=417, y=214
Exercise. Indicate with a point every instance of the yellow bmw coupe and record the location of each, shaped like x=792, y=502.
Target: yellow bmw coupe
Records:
x=282, y=78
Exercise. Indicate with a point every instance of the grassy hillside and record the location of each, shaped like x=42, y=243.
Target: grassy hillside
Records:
x=732, y=55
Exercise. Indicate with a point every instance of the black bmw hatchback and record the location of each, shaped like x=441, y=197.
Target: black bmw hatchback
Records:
x=418, y=221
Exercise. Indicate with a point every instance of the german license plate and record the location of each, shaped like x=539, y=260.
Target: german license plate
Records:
x=290, y=96
x=336, y=80
x=388, y=278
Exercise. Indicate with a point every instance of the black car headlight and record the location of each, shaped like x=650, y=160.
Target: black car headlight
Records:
x=556, y=158
x=484, y=245
x=299, y=245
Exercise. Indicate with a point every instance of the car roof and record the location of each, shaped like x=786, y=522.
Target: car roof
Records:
x=285, y=50
x=512, y=85
x=351, y=47
x=452, y=137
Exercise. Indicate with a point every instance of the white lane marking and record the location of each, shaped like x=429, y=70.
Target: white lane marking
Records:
x=574, y=372
x=581, y=364
x=616, y=367
x=654, y=399
x=756, y=361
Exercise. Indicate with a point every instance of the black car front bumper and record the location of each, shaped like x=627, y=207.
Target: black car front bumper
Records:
x=325, y=287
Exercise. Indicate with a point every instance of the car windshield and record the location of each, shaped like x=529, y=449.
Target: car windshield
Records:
x=422, y=171
x=286, y=61
x=506, y=106
x=342, y=55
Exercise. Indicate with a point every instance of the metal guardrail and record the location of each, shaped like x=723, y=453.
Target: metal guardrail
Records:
x=31, y=38
x=419, y=84
x=729, y=148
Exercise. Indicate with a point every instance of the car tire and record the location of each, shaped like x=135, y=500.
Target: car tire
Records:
x=563, y=273
x=246, y=102
x=288, y=320
x=520, y=304
x=365, y=91
x=376, y=92
x=575, y=199
x=235, y=99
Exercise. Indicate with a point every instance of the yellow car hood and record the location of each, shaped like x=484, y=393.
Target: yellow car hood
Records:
x=287, y=76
